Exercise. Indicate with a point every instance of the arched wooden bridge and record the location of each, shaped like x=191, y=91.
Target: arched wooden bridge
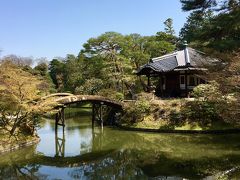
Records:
x=88, y=98
x=98, y=103
x=56, y=95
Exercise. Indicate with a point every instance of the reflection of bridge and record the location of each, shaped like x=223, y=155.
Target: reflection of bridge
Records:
x=61, y=160
x=70, y=161
x=100, y=106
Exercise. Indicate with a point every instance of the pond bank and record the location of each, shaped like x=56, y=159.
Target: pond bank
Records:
x=12, y=145
x=223, y=131
x=175, y=116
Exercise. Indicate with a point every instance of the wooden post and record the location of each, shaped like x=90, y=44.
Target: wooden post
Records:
x=149, y=83
x=63, y=143
x=186, y=86
x=63, y=116
x=93, y=114
x=59, y=144
x=101, y=119
x=56, y=140
x=56, y=121
x=161, y=85
x=60, y=116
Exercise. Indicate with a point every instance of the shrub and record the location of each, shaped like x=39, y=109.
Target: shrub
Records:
x=207, y=106
x=135, y=111
x=111, y=94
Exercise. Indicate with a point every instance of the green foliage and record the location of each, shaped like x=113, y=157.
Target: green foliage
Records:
x=111, y=94
x=214, y=26
x=111, y=58
x=41, y=69
x=135, y=111
x=56, y=68
x=202, y=5
x=220, y=31
x=91, y=86
x=188, y=5
x=207, y=92
x=119, y=96
x=169, y=26
x=142, y=106
x=207, y=105
x=203, y=112
x=195, y=25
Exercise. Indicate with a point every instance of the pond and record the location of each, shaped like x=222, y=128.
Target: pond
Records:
x=83, y=152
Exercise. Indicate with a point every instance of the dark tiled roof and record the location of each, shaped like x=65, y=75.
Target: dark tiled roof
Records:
x=167, y=64
x=177, y=60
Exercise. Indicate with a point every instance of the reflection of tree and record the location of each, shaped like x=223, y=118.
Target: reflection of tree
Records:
x=154, y=155
x=14, y=165
x=131, y=164
x=116, y=154
x=117, y=165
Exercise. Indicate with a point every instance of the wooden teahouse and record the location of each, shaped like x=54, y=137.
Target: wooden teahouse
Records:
x=177, y=73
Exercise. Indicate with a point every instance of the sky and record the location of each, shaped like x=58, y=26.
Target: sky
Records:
x=55, y=28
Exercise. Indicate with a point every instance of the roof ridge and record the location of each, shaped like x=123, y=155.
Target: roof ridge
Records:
x=164, y=56
x=200, y=52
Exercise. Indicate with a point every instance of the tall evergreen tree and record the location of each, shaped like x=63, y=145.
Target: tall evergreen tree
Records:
x=169, y=26
x=194, y=27
x=221, y=31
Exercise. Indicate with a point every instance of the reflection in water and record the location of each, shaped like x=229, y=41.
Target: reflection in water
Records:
x=82, y=152
x=60, y=143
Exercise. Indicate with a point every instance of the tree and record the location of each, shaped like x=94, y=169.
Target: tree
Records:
x=169, y=26
x=109, y=62
x=41, y=68
x=57, y=70
x=73, y=72
x=19, y=61
x=222, y=32
x=118, y=56
x=91, y=86
x=166, y=41
x=194, y=27
x=188, y=5
x=108, y=47
x=218, y=35
x=203, y=5
x=19, y=91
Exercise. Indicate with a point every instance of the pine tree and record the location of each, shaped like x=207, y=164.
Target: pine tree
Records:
x=169, y=26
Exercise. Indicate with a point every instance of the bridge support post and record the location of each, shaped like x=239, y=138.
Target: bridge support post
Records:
x=59, y=144
x=97, y=113
x=101, y=118
x=93, y=114
x=60, y=118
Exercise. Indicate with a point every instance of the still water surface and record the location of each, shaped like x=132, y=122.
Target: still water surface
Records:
x=81, y=152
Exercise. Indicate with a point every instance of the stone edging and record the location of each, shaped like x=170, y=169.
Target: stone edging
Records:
x=226, y=131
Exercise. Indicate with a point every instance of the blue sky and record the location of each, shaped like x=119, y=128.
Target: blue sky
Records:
x=52, y=28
